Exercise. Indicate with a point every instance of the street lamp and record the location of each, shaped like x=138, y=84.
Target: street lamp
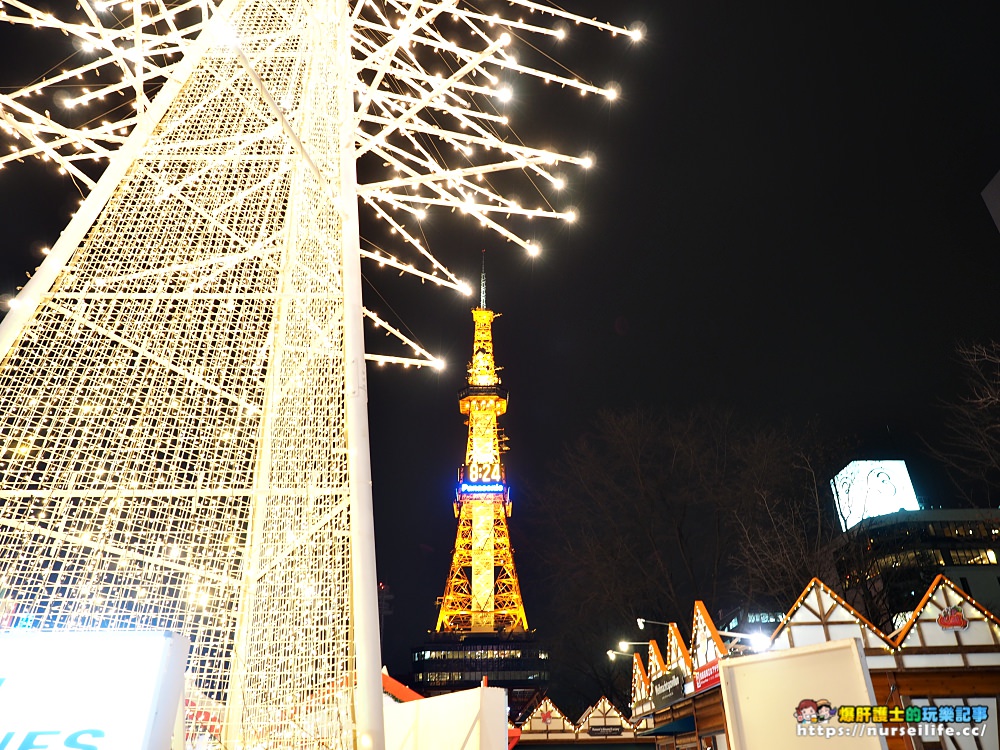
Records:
x=612, y=654
x=623, y=645
x=641, y=622
x=758, y=641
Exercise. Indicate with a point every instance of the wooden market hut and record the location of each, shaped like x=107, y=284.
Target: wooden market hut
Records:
x=945, y=661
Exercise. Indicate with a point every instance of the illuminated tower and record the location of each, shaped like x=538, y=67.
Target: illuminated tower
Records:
x=481, y=629
x=183, y=405
x=482, y=594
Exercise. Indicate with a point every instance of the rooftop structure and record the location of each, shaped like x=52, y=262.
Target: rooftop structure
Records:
x=941, y=667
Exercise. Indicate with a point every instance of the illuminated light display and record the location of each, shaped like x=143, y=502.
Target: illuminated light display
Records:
x=482, y=488
x=482, y=631
x=867, y=489
x=482, y=594
x=181, y=377
x=483, y=472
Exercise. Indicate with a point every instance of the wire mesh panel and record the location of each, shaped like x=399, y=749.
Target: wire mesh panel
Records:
x=176, y=380
x=171, y=416
x=294, y=666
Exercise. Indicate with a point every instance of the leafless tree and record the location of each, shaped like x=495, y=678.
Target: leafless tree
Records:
x=970, y=448
x=785, y=526
x=648, y=512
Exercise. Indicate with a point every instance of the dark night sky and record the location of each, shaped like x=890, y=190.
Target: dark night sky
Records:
x=784, y=219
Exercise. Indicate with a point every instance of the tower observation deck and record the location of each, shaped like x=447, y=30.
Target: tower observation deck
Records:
x=482, y=630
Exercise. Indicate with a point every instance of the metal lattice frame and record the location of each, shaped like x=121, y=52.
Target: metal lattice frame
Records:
x=482, y=546
x=177, y=380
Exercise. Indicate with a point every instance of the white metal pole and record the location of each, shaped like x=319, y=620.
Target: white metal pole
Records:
x=368, y=696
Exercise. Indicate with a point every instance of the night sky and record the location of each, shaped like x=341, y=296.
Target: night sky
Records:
x=784, y=219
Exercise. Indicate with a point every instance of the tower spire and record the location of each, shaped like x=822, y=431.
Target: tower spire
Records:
x=482, y=284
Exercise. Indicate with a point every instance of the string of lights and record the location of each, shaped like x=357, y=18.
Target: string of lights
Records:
x=183, y=429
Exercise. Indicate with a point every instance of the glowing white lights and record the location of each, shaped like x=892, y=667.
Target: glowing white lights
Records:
x=866, y=489
x=176, y=377
x=223, y=34
x=425, y=134
x=760, y=642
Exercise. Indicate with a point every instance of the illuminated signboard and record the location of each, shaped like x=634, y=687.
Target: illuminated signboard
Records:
x=475, y=473
x=485, y=489
x=866, y=489
x=485, y=479
x=706, y=676
x=106, y=690
x=605, y=731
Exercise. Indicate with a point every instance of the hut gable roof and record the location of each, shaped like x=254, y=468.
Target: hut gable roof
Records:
x=547, y=722
x=820, y=615
x=677, y=656
x=949, y=628
x=706, y=643
x=603, y=719
x=640, y=680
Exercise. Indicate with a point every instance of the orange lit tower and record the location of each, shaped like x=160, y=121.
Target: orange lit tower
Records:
x=481, y=628
x=482, y=594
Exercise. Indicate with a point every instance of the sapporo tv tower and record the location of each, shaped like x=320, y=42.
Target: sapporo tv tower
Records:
x=481, y=628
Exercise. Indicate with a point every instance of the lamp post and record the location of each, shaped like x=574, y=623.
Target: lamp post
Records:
x=623, y=645
x=758, y=641
x=641, y=622
x=612, y=654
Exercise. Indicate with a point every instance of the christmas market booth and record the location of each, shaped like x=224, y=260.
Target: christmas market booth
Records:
x=601, y=725
x=680, y=688
x=828, y=672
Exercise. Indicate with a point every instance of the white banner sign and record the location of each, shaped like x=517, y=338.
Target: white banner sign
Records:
x=792, y=699
x=107, y=690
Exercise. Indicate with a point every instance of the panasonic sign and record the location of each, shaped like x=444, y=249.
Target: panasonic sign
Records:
x=107, y=690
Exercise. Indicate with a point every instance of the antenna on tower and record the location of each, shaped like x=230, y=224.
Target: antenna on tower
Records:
x=482, y=284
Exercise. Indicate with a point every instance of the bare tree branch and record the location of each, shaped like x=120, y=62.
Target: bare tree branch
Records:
x=970, y=449
x=646, y=513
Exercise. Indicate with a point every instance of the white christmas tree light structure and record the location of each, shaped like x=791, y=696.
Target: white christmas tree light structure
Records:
x=183, y=429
